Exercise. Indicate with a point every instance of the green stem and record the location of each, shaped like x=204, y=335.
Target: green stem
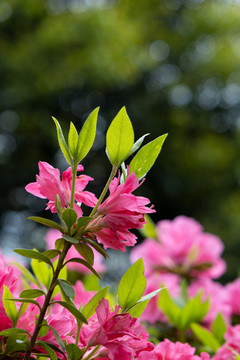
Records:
x=92, y=352
x=113, y=173
x=79, y=325
x=74, y=174
x=47, y=300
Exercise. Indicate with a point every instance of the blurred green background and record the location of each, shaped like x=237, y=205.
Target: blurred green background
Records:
x=175, y=64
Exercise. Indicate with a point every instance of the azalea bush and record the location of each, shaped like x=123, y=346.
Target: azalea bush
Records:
x=167, y=305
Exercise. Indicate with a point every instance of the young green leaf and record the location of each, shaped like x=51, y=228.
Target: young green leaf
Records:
x=72, y=139
x=73, y=351
x=137, y=144
x=90, y=307
x=149, y=229
x=219, y=327
x=32, y=254
x=132, y=285
x=42, y=272
x=120, y=138
x=62, y=142
x=87, y=135
x=168, y=306
x=46, y=222
x=206, y=337
x=70, y=239
x=77, y=314
x=27, y=274
x=43, y=329
x=137, y=309
x=70, y=217
x=9, y=306
x=29, y=301
x=31, y=293
x=146, y=157
x=86, y=252
x=83, y=221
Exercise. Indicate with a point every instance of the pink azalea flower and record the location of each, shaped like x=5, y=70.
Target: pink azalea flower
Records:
x=183, y=248
x=167, y=350
x=231, y=347
x=52, y=235
x=120, y=212
x=49, y=184
x=218, y=298
x=121, y=334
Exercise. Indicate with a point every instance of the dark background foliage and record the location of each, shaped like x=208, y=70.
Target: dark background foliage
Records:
x=173, y=63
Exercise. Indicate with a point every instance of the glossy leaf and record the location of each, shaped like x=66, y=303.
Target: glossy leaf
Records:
x=42, y=272
x=70, y=217
x=206, y=337
x=46, y=222
x=132, y=285
x=219, y=327
x=120, y=138
x=62, y=142
x=74, y=352
x=72, y=139
x=70, y=239
x=146, y=157
x=66, y=286
x=137, y=144
x=84, y=263
x=9, y=306
x=31, y=293
x=32, y=254
x=87, y=135
x=77, y=314
x=86, y=252
x=90, y=307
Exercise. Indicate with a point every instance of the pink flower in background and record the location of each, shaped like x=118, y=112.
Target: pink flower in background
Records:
x=167, y=350
x=121, y=334
x=218, y=299
x=49, y=184
x=233, y=293
x=52, y=235
x=231, y=347
x=184, y=248
x=120, y=212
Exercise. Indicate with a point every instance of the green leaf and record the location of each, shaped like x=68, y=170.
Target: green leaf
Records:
x=83, y=221
x=206, y=337
x=72, y=139
x=58, y=206
x=146, y=157
x=66, y=286
x=86, y=252
x=73, y=351
x=13, y=332
x=149, y=229
x=17, y=344
x=137, y=309
x=77, y=314
x=42, y=272
x=48, y=349
x=32, y=254
x=70, y=239
x=168, y=306
x=90, y=307
x=9, y=306
x=87, y=135
x=70, y=217
x=62, y=142
x=52, y=346
x=43, y=329
x=30, y=301
x=219, y=327
x=96, y=246
x=84, y=263
x=137, y=144
x=57, y=336
x=120, y=138
x=59, y=244
x=132, y=285
x=46, y=222
x=31, y=293
x=51, y=254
